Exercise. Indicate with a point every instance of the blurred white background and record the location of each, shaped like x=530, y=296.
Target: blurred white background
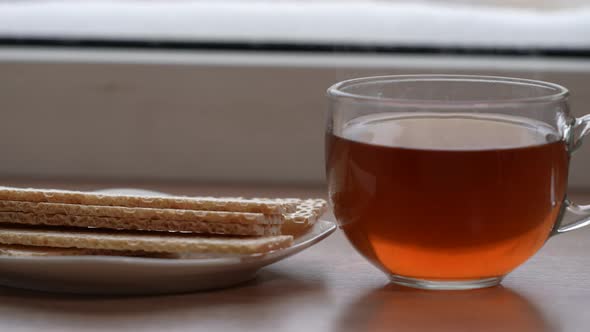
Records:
x=233, y=91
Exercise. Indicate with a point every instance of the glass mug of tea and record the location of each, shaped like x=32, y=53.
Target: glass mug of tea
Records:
x=451, y=182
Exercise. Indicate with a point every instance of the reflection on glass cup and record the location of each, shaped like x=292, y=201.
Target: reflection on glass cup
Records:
x=450, y=182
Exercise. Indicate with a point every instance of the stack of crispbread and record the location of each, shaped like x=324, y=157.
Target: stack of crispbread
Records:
x=40, y=222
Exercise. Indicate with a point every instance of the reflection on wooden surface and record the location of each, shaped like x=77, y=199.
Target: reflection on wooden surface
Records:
x=395, y=308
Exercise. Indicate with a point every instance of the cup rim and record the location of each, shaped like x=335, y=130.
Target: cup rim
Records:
x=337, y=92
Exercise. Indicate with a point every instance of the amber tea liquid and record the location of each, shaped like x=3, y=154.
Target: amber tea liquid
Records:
x=447, y=197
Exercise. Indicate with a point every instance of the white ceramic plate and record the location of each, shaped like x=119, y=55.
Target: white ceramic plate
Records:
x=136, y=275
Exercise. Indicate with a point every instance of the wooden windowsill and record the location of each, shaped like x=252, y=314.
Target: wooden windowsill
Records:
x=326, y=288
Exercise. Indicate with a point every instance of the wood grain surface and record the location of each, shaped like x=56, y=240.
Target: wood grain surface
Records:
x=328, y=288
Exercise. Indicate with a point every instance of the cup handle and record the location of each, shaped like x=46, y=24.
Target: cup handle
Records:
x=578, y=214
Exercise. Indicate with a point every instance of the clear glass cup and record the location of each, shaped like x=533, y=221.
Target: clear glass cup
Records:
x=451, y=182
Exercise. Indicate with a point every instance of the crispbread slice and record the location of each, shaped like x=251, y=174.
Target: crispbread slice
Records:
x=137, y=241
x=233, y=204
x=213, y=222
x=146, y=224
x=17, y=250
x=140, y=213
x=307, y=214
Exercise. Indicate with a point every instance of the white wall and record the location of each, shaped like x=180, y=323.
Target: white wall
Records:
x=205, y=116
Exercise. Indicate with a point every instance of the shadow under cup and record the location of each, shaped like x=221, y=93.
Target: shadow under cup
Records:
x=447, y=182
